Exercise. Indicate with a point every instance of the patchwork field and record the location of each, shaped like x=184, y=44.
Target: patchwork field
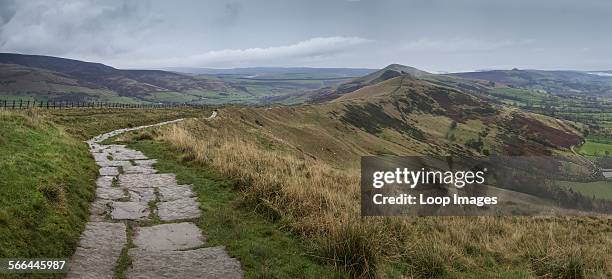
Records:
x=596, y=147
x=599, y=189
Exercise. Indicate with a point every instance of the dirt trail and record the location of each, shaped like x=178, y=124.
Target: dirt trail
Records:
x=584, y=159
x=162, y=242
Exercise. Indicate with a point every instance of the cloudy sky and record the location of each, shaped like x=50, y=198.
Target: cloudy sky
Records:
x=435, y=35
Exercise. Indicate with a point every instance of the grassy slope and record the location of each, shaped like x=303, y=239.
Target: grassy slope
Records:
x=87, y=123
x=262, y=247
x=347, y=128
x=41, y=151
x=321, y=203
x=46, y=184
x=599, y=189
x=27, y=83
x=595, y=148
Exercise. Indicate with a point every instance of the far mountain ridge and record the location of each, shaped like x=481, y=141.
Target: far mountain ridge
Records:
x=22, y=75
x=273, y=71
x=560, y=82
x=38, y=77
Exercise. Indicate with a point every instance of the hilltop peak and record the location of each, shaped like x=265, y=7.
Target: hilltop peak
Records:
x=386, y=73
x=405, y=70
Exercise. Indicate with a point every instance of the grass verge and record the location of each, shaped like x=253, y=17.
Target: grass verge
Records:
x=47, y=180
x=86, y=123
x=263, y=248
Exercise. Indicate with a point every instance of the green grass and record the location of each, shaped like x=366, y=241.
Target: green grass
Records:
x=124, y=261
x=173, y=97
x=597, y=189
x=97, y=96
x=263, y=248
x=47, y=180
x=595, y=148
x=87, y=123
x=520, y=96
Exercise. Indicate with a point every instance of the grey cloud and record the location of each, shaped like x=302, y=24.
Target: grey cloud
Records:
x=82, y=28
x=230, y=14
x=305, y=51
x=7, y=11
x=438, y=35
x=463, y=44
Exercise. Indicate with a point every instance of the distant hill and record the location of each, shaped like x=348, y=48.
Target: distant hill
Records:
x=421, y=106
x=405, y=115
x=17, y=81
x=277, y=72
x=60, y=79
x=391, y=71
x=53, y=78
x=555, y=82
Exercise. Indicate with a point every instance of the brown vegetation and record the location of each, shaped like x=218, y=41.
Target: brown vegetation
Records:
x=321, y=203
x=539, y=131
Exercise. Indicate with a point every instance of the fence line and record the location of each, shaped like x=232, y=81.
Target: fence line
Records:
x=25, y=104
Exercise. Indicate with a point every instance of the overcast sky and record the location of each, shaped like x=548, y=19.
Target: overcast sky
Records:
x=434, y=35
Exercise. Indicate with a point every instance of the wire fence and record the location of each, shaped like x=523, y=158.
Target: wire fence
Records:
x=26, y=104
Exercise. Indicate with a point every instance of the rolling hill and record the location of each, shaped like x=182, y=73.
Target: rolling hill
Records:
x=277, y=72
x=22, y=82
x=391, y=71
x=573, y=83
x=290, y=85
x=406, y=115
x=300, y=165
x=52, y=78
x=59, y=79
x=400, y=109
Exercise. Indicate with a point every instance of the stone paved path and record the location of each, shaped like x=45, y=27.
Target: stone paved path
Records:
x=129, y=189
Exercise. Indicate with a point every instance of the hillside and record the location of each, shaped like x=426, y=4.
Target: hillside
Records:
x=311, y=157
x=59, y=79
x=404, y=115
x=22, y=82
x=391, y=71
x=277, y=72
x=408, y=116
x=556, y=82
x=46, y=183
x=66, y=80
